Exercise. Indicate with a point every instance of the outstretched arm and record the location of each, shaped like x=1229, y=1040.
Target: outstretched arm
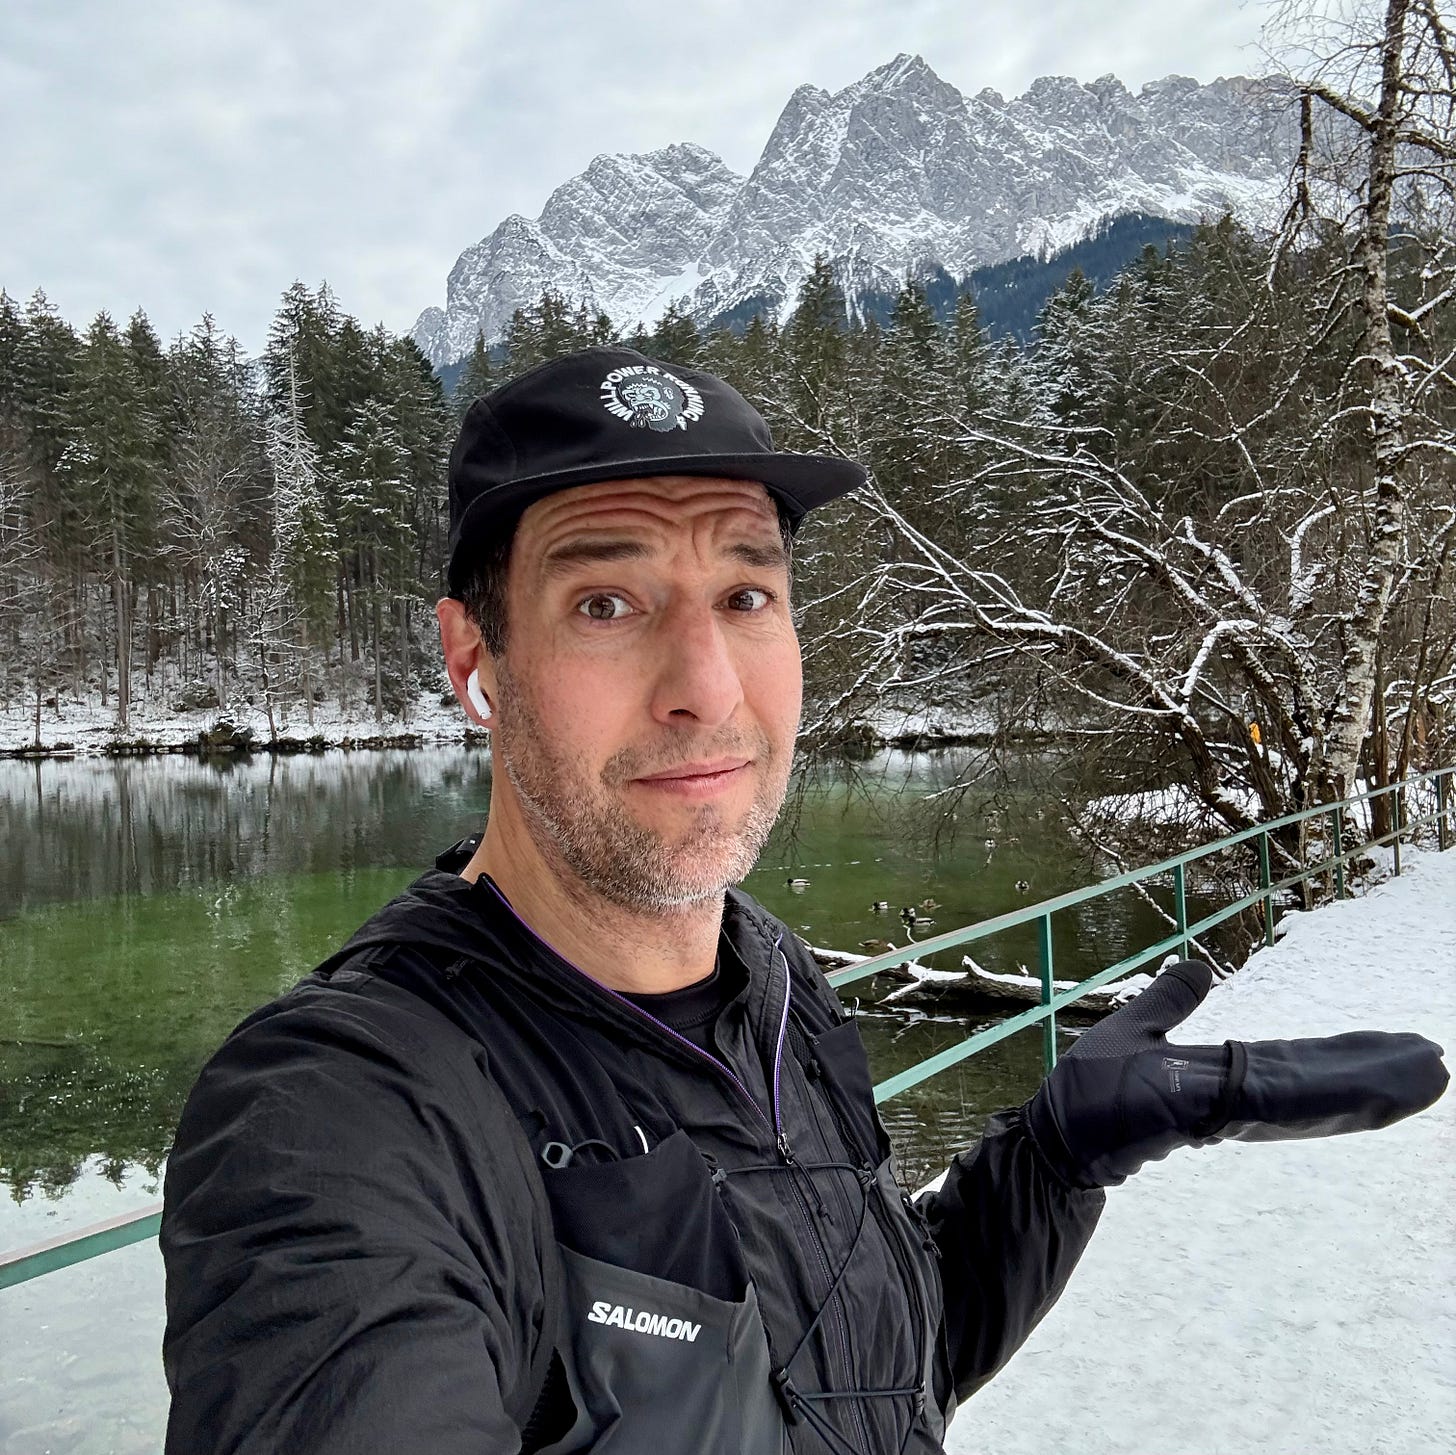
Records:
x=1009, y=1231
x=1014, y=1214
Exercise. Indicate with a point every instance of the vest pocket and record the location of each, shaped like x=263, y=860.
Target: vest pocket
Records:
x=661, y=1336
x=656, y=1214
x=655, y=1366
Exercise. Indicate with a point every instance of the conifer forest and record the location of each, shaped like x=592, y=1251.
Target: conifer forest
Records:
x=1202, y=523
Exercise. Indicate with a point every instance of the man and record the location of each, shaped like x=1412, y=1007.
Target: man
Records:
x=571, y=1147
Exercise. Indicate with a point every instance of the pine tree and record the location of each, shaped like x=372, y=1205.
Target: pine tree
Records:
x=300, y=562
x=674, y=338
x=1066, y=357
x=12, y=349
x=407, y=382
x=216, y=499
x=759, y=365
x=477, y=378
x=375, y=529
x=814, y=354
x=109, y=470
x=967, y=356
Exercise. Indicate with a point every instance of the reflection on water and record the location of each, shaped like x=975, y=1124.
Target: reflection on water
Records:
x=147, y=905
x=91, y=828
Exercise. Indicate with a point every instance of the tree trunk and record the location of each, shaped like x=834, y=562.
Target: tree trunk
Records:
x=353, y=617
x=1381, y=817
x=119, y=597
x=102, y=656
x=378, y=650
x=307, y=673
x=404, y=657
x=1387, y=416
x=267, y=694
x=220, y=677
x=152, y=649
x=76, y=640
x=339, y=610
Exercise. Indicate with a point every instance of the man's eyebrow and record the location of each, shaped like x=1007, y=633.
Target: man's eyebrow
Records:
x=764, y=557
x=563, y=559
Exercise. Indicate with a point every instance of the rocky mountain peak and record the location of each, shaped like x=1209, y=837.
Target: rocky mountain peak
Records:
x=897, y=171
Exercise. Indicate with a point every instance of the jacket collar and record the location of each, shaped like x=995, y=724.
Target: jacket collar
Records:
x=474, y=923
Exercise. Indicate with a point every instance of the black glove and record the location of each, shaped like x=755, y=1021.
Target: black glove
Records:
x=1123, y=1096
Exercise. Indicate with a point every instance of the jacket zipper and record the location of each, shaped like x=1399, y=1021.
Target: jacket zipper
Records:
x=667, y=1030
x=787, y=1154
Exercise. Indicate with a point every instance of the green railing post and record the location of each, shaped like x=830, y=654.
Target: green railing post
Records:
x=1264, y=882
x=1339, y=852
x=1395, y=818
x=1441, y=812
x=1049, y=1025
x=1180, y=904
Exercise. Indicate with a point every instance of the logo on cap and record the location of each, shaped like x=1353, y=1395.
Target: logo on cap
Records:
x=650, y=398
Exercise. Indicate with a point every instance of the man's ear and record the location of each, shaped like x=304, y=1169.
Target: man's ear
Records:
x=467, y=663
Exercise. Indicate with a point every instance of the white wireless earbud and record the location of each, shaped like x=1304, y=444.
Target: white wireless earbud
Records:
x=478, y=700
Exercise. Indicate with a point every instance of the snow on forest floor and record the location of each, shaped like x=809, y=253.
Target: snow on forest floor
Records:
x=89, y=726
x=1285, y=1297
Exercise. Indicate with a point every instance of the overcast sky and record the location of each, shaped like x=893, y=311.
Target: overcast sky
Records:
x=191, y=155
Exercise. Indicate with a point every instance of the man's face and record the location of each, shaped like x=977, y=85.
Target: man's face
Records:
x=648, y=699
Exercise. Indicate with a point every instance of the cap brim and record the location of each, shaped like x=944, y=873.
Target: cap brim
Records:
x=800, y=482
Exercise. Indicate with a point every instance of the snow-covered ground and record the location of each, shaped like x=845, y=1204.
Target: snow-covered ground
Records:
x=888, y=722
x=1293, y=1297
x=89, y=727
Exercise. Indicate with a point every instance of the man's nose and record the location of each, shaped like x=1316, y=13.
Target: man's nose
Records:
x=698, y=675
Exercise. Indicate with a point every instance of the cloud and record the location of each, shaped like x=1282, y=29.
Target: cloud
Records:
x=187, y=156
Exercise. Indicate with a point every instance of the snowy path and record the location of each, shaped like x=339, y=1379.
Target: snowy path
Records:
x=1284, y=1298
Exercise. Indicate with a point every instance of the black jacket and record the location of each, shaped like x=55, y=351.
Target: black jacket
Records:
x=448, y=1189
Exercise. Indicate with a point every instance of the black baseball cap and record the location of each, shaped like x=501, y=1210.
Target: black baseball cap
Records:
x=614, y=414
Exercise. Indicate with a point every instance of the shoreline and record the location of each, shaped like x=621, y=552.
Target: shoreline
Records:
x=284, y=745
x=91, y=732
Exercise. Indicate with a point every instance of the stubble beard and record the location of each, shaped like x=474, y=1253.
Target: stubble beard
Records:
x=579, y=820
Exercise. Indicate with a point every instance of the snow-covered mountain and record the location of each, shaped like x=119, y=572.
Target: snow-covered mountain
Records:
x=897, y=172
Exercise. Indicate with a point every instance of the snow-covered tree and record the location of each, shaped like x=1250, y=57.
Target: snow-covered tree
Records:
x=375, y=528
x=1377, y=172
x=476, y=378
x=293, y=587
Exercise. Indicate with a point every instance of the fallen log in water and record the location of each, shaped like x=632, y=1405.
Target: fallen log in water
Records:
x=977, y=990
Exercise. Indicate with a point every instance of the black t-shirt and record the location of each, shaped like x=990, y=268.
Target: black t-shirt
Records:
x=693, y=1010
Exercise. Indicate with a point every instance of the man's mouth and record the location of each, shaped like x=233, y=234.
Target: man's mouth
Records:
x=696, y=779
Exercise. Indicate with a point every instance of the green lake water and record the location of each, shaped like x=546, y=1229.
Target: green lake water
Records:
x=147, y=905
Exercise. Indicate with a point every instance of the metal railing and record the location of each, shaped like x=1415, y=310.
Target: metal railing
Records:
x=1442, y=795
x=67, y=1249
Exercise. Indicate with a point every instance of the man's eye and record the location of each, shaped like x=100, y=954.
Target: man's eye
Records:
x=603, y=607
x=750, y=598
